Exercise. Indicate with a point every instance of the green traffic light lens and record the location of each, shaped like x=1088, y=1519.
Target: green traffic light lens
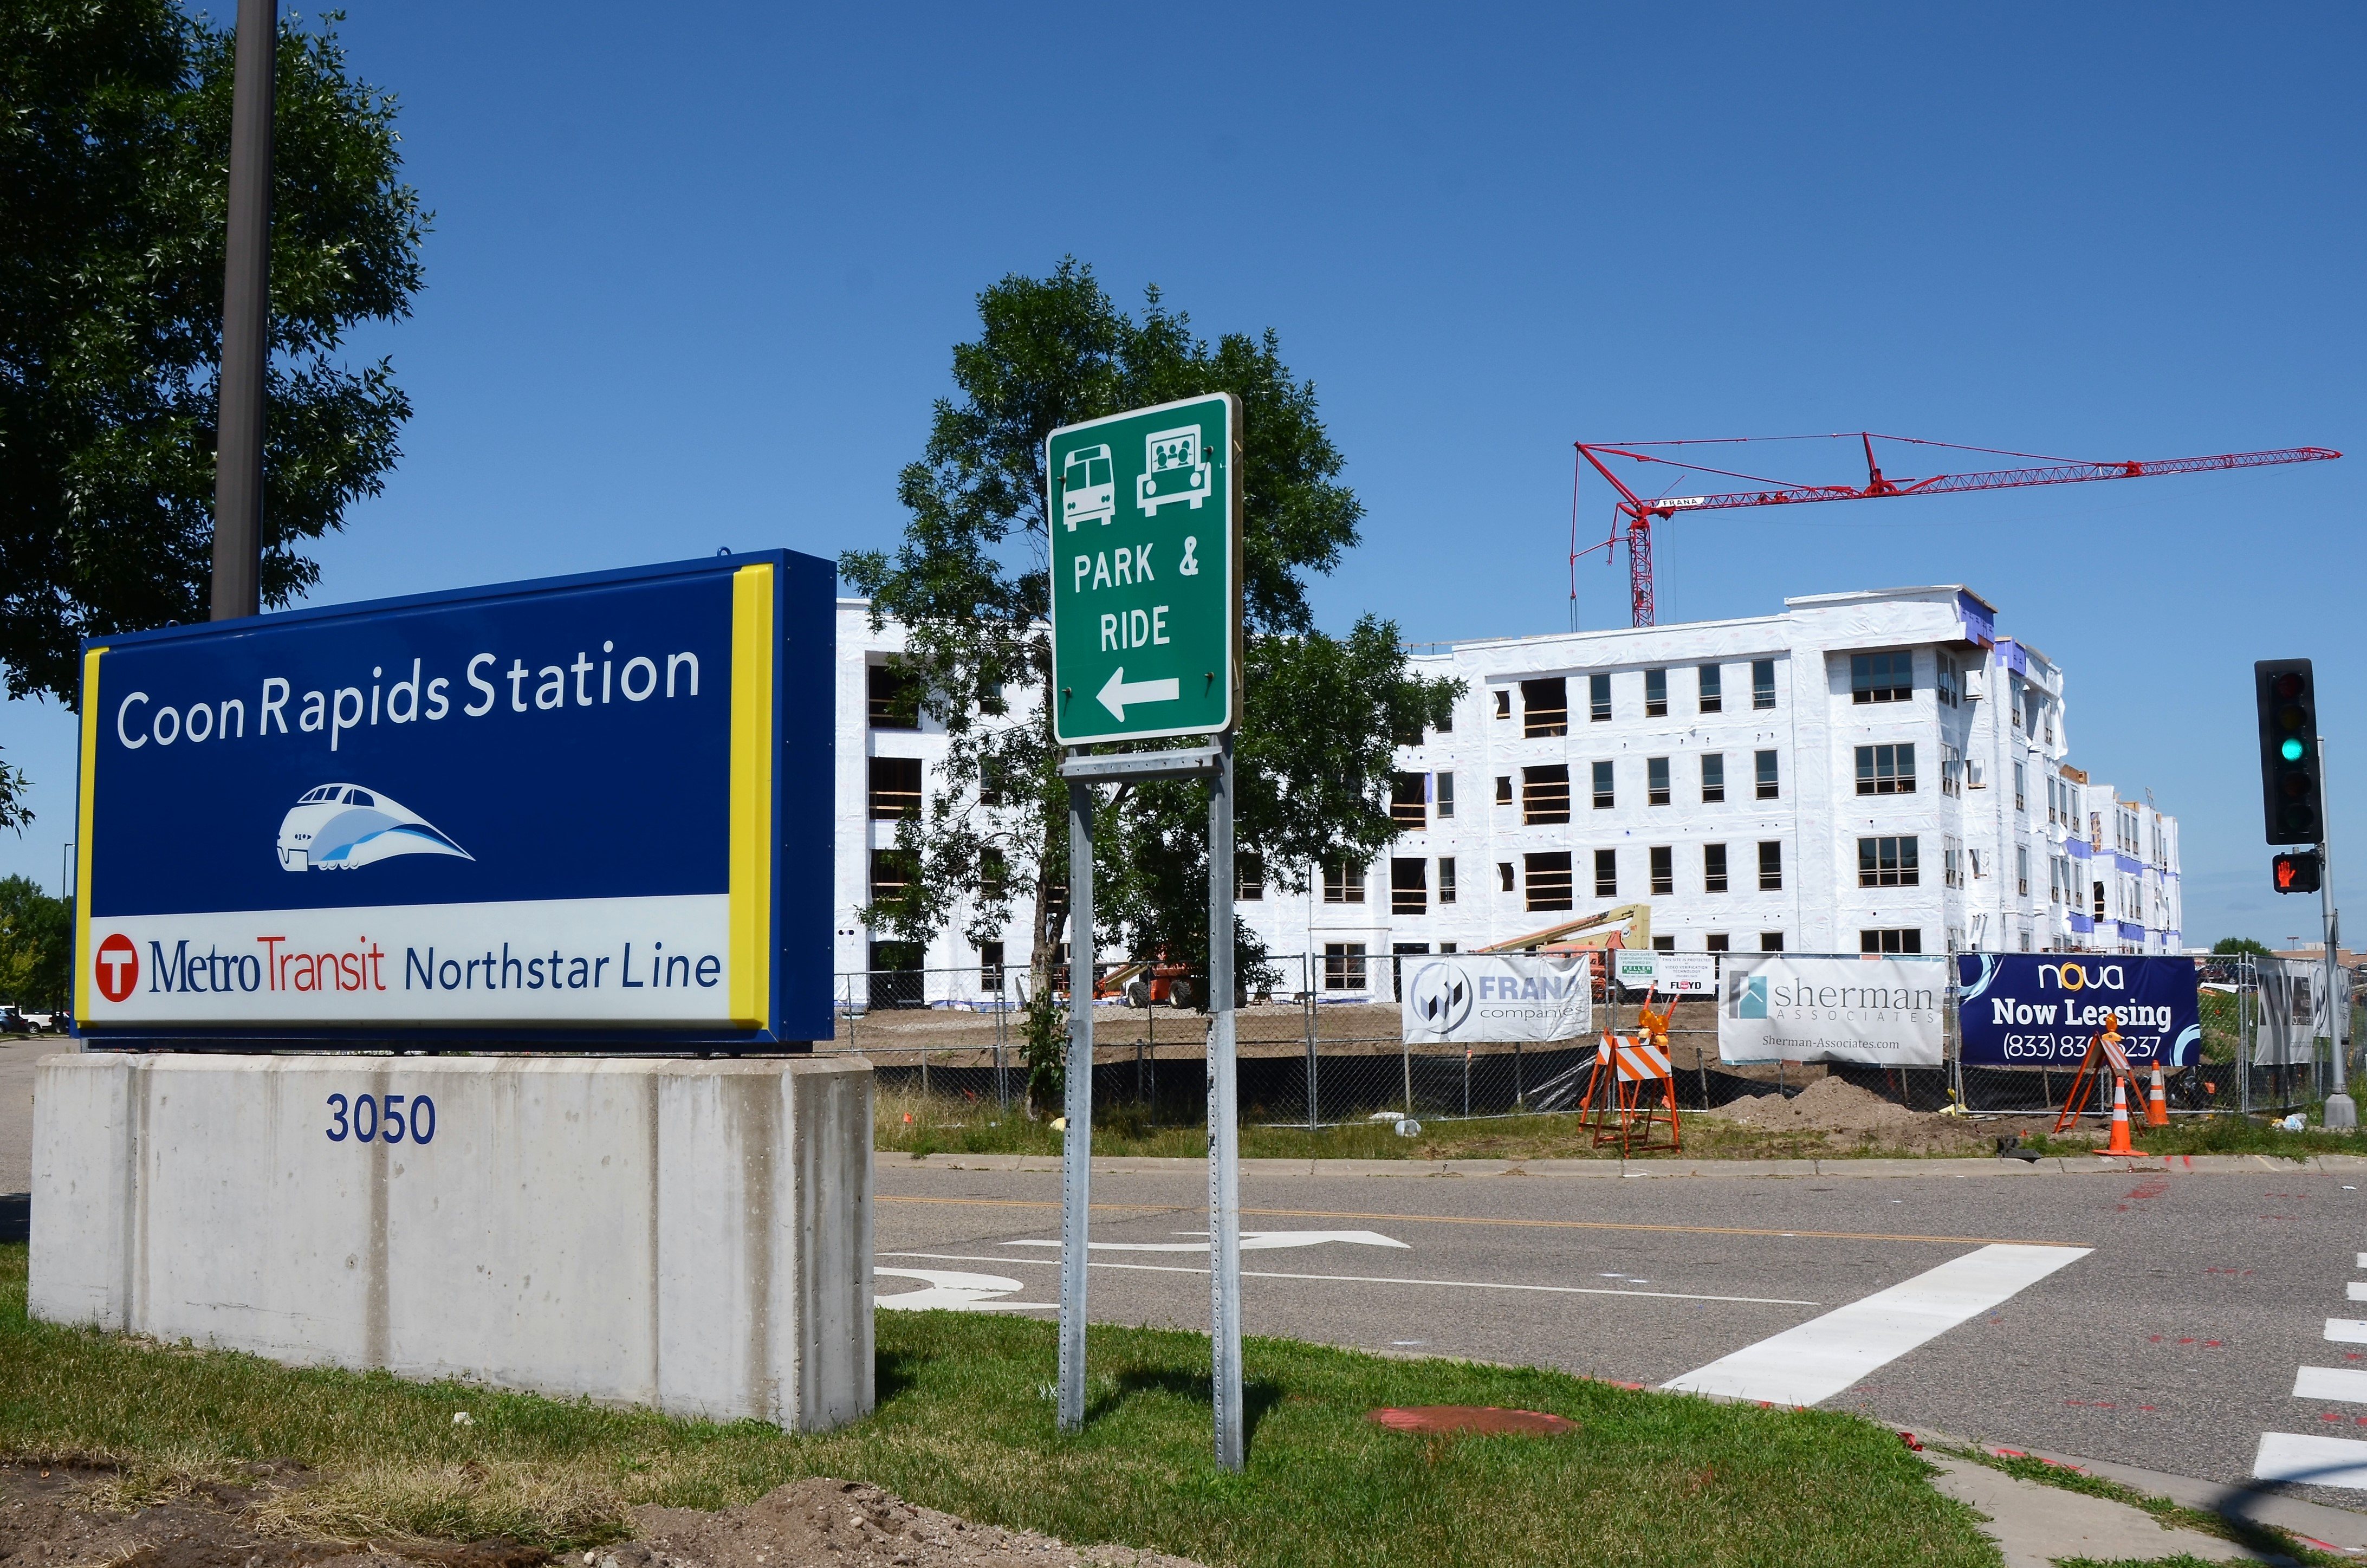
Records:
x=2293, y=749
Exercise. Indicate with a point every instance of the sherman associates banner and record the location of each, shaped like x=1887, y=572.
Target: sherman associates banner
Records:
x=1779, y=1007
x=1493, y=997
x=544, y=809
x=2039, y=1010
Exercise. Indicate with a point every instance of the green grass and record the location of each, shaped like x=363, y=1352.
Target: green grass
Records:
x=964, y=1423
x=2227, y=1134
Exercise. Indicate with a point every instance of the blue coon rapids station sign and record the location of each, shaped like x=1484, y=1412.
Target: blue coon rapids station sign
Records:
x=586, y=810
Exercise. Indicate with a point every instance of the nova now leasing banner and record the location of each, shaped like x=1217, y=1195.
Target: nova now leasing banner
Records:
x=2039, y=1010
x=1477, y=997
x=1778, y=1007
x=559, y=809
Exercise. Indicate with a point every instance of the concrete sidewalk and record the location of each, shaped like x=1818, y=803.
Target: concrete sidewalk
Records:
x=1662, y=1170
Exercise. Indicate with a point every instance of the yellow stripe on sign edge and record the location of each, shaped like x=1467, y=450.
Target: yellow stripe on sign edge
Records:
x=86, y=789
x=752, y=796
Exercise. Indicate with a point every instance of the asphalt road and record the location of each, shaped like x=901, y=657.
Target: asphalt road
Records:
x=2171, y=1343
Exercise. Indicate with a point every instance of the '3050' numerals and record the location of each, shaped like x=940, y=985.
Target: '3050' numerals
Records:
x=381, y=1116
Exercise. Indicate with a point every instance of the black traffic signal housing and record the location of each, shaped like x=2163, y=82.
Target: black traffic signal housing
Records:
x=2292, y=808
x=2295, y=870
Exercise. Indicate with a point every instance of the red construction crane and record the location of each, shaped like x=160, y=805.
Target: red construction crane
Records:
x=1639, y=512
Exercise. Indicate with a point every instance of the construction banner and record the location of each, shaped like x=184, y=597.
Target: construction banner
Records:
x=1494, y=997
x=1789, y=1008
x=2039, y=1010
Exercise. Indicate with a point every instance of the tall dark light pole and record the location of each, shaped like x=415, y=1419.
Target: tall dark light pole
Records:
x=246, y=320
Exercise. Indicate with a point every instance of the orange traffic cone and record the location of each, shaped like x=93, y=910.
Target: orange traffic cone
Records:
x=2120, y=1141
x=2157, y=1102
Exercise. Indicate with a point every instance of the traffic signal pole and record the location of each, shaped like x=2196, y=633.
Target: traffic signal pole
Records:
x=2340, y=1110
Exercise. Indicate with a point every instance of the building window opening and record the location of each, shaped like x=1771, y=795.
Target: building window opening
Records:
x=1887, y=863
x=990, y=967
x=1504, y=875
x=1882, y=677
x=1770, y=869
x=1656, y=694
x=1886, y=770
x=1344, y=966
x=1771, y=941
x=1248, y=876
x=1597, y=699
x=895, y=697
x=1712, y=690
x=1549, y=880
x=1503, y=703
x=1544, y=707
x=1342, y=882
x=1768, y=789
x=1664, y=870
x=1503, y=789
x=1410, y=802
x=1715, y=942
x=1544, y=795
x=1606, y=873
x=1655, y=781
x=1408, y=886
x=1446, y=879
x=1762, y=683
x=895, y=789
x=1446, y=794
x=1602, y=796
x=1712, y=867
x=1713, y=777
x=1908, y=939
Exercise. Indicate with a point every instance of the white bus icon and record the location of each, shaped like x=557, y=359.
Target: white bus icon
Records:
x=1087, y=489
x=1173, y=469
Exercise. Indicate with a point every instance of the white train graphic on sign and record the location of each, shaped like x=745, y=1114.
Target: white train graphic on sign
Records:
x=336, y=827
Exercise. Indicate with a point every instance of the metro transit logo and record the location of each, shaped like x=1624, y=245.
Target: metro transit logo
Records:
x=115, y=967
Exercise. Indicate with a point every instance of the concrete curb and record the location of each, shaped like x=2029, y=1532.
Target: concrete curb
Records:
x=1656, y=1170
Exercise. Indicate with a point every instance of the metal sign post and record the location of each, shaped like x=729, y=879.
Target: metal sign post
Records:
x=1224, y=1128
x=1077, y=1137
x=1146, y=611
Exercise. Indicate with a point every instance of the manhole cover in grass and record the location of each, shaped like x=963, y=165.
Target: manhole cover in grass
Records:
x=1480, y=1418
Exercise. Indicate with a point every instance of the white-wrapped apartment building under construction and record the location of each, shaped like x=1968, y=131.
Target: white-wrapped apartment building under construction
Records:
x=1878, y=771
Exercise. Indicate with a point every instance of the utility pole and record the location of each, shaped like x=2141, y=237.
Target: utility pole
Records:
x=2340, y=1109
x=246, y=320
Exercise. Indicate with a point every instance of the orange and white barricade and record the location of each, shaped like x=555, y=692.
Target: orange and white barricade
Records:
x=2104, y=1060
x=1631, y=1087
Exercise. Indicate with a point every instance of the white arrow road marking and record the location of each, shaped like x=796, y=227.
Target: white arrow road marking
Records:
x=953, y=1290
x=1376, y=1280
x=1251, y=1241
x=1117, y=692
x=1822, y=1356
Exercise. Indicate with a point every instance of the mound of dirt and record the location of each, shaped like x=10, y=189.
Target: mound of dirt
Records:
x=849, y=1525
x=1849, y=1119
x=47, y=1518
x=1828, y=1104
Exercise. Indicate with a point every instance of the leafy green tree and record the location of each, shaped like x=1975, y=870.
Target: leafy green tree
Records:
x=36, y=945
x=969, y=583
x=2235, y=946
x=114, y=191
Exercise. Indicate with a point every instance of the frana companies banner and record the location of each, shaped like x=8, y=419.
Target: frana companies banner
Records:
x=2039, y=1010
x=1779, y=1007
x=1487, y=997
x=571, y=810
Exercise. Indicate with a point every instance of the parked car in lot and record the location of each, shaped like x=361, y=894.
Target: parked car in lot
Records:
x=13, y=1021
x=43, y=1023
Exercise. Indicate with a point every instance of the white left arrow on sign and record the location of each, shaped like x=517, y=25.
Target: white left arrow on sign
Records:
x=1117, y=692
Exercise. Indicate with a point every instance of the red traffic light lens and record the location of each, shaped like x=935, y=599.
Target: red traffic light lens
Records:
x=2287, y=685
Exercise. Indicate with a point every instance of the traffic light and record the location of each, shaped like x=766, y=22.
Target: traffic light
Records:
x=2295, y=870
x=2291, y=808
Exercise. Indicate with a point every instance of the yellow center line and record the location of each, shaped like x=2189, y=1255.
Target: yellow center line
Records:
x=1473, y=1220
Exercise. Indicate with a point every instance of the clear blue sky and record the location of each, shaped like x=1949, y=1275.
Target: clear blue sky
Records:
x=695, y=272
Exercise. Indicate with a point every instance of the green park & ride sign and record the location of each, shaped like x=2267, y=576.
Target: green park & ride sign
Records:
x=1146, y=580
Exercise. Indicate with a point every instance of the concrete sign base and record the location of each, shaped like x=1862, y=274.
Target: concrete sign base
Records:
x=692, y=1235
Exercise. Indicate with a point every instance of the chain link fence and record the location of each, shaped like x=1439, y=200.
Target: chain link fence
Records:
x=1322, y=1045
